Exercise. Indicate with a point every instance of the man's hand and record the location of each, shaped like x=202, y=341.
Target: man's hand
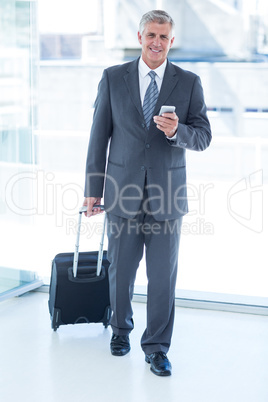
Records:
x=89, y=202
x=168, y=123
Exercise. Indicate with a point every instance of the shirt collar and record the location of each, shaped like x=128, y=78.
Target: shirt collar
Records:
x=144, y=69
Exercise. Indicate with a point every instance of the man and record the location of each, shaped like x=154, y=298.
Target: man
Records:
x=145, y=180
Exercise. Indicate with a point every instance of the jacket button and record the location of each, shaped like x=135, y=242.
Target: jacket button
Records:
x=148, y=146
x=143, y=125
x=142, y=167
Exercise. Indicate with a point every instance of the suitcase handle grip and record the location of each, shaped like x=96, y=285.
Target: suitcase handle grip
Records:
x=84, y=209
x=76, y=253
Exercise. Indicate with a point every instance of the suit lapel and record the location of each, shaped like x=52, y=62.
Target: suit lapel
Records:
x=169, y=82
x=132, y=82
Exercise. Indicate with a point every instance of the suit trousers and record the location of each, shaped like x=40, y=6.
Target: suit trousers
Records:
x=128, y=238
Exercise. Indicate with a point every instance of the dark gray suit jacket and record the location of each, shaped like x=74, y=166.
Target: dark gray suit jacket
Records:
x=135, y=153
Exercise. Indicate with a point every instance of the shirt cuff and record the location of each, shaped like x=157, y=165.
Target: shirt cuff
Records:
x=172, y=138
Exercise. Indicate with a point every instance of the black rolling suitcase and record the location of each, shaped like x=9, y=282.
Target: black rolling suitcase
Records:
x=79, y=286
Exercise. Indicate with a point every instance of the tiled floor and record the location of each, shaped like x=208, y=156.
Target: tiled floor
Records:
x=216, y=357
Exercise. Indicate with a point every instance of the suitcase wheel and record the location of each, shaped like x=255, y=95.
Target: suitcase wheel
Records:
x=54, y=328
x=55, y=319
x=108, y=314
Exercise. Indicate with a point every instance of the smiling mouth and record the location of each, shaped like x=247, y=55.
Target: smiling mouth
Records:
x=155, y=51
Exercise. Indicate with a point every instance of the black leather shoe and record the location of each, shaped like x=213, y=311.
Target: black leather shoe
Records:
x=160, y=365
x=120, y=345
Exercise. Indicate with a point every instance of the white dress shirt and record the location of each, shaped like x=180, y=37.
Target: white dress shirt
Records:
x=145, y=79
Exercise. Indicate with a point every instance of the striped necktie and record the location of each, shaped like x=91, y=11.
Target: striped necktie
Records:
x=150, y=99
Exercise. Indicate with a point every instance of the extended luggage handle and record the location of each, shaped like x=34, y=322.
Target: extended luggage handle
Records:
x=76, y=253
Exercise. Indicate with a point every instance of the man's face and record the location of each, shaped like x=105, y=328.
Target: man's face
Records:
x=156, y=40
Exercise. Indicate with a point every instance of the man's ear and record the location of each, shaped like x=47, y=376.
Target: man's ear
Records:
x=139, y=38
x=171, y=42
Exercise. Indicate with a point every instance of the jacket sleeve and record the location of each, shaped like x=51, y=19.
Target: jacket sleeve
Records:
x=100, y=134
x=195, y=134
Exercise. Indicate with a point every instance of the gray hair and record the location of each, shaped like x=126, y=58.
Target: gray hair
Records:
x=159, y=16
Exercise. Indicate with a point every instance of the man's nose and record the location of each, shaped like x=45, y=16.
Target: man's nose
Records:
x=157, y=41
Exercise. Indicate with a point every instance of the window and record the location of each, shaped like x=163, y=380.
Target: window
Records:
x=18, y=74
x=222, y=252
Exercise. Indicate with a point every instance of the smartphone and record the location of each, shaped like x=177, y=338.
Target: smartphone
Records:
x=167, y=109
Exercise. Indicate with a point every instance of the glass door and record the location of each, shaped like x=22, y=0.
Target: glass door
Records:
x=18, y=73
